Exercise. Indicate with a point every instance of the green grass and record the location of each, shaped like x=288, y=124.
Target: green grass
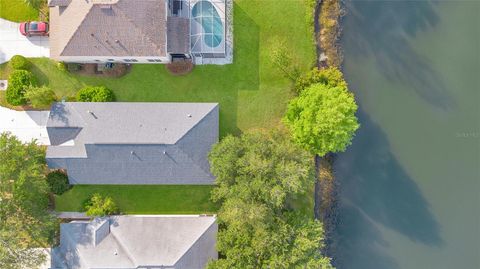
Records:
x=143, y=199
x=251, y=92
x=17, y=10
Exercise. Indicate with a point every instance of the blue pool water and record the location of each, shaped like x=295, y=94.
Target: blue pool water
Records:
x=206, y=14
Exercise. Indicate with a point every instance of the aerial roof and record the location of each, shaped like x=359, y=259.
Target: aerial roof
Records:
x=128, y=123
x=131, y=241
x=108, y=28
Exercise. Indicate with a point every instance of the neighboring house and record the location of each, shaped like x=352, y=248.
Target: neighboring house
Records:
x=133, y=143
x=139, y=31
x=143, y=242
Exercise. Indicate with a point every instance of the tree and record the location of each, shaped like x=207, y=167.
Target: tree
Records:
x=99, y=206
x=40, y=97
x=322, y=119
x=258, y=175
x=34, y=3
x=332, y=77
x=25, y=222
x=95, y=94
x=18, y=82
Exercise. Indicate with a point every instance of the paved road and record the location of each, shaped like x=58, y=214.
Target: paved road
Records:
x=26, y=125
x=12, y=43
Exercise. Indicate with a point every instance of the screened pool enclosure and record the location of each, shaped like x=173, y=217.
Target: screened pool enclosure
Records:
x=207, y=28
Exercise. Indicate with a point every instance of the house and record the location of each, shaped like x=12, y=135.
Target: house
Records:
x=140, y=31
x=132, y=143
x=132, y=241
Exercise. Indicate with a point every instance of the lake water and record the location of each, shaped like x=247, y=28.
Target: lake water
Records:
x=410, y=183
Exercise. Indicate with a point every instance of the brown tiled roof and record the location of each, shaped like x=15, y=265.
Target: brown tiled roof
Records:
x=119, y=28
x=178, y=35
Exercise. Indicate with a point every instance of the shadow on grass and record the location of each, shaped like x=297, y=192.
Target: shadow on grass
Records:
x=376, y=190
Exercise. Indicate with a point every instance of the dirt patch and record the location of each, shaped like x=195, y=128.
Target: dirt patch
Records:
x=181, y=67
x=99, y=70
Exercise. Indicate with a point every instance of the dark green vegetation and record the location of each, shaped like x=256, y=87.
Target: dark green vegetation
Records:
x=98, y=206
x=252, y=92
x=17, y=10
x=40, y=97
x=143, y=199
x=257, y=175
x=322, y=118
x=19, y=62
x=58, y=182
x=18, y=82
x=24, y=220
x=95, y=94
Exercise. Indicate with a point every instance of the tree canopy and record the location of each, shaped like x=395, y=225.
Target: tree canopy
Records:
x=24, y=220
x=322, y=119
x=257, y=176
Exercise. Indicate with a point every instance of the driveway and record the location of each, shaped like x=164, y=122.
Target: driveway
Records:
x=12, y=43
x=26, y=125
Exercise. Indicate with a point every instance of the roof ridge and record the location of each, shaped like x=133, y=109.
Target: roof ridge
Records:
x=141, y=31
x=193, y=161
x=195, y=241
x=120, y=243
x=198, y=122
x=75, y=30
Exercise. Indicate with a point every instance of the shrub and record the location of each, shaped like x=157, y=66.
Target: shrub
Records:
x=99, y=206
x=18, y=62
x=62, y=66
x=58, y=182
x=18, y=82
x=331, y=77
x=95, y=94
x=40, y=97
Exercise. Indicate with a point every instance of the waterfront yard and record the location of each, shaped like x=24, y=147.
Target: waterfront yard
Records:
x=252, y=93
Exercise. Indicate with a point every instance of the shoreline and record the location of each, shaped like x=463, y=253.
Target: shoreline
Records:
x=328, y=54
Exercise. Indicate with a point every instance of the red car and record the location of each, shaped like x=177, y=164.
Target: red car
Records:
x=34, y=28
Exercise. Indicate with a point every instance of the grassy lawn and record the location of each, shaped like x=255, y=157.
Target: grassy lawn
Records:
x=17, y=10
x=143, y=199
x=252, y=93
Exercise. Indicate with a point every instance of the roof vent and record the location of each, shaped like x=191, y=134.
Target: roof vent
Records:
x=91, y=113
x=132, y=152
x=189, y=115
x=164, y=152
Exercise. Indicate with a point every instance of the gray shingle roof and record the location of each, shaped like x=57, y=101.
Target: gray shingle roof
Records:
x=133, y=143
x=183, y=242
x=109, y=28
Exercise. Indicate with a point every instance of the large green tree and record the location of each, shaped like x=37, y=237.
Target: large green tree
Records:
x=25, y=223
x=258, y=175
x=322, y=119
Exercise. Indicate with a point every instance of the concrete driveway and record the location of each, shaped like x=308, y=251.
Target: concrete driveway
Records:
x=26, y=125
x=12, y=43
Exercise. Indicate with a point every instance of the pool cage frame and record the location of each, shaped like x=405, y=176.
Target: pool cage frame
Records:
x=198, y=46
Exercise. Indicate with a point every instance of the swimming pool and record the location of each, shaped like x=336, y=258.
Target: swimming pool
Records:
x=207, y=16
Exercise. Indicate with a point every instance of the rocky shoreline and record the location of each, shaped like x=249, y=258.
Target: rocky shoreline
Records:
x=327, y=19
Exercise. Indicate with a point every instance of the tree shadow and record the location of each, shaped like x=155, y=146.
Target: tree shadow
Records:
x=376, y=190
x=381, y=30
